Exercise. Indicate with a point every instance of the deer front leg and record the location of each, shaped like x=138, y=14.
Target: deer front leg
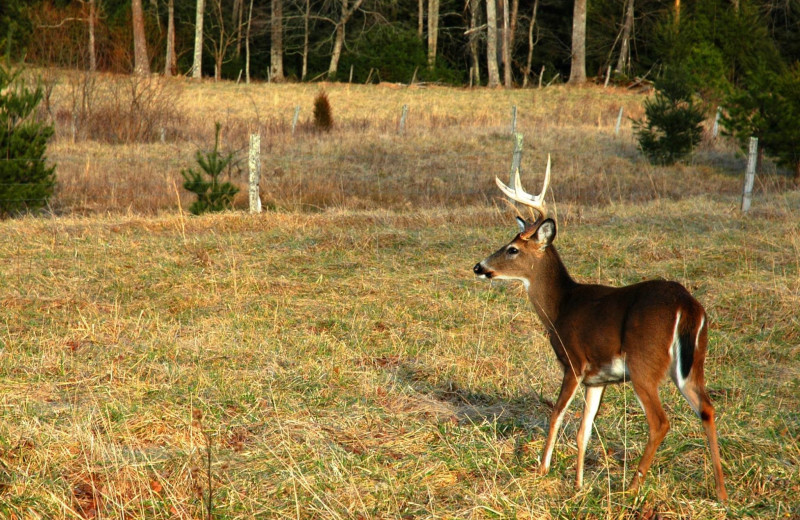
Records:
x=568, y=387
x=593, y=396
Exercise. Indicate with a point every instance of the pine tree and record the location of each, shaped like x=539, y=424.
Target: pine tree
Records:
x=212, y=195
x=768, y=108
x=672, y=128
x=26, y=182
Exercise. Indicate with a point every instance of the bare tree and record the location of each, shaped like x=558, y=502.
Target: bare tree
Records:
x=474, y=8
x=306, y=23
x=491, y=43
x=170, y=61
x=225, y=32
x=238, y=13
x=433, y=31
x=512, y=34
x=421, y=13
x=531, y=44
x=506, y=46
x=627, y=27
x=247, y=44
x=276, y=41
x=577, y=73
x=256, y=25
x=197, y=65
x=141, y=61
x=338, y=41
x=92, y=52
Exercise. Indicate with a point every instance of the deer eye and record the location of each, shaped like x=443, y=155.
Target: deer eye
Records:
x=512, y=250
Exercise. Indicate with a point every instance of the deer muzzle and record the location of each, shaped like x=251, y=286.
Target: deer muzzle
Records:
x=481, y=271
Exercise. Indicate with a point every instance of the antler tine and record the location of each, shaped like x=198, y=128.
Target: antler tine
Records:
x=520, y=195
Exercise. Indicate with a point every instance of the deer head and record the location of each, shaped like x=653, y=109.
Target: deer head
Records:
x=526, y=254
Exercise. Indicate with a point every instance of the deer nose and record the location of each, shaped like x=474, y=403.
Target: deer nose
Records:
x=478, y=269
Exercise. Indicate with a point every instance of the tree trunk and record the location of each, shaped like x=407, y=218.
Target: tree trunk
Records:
x=338, y=41
x=491, y=43
x=170, y=62
x=276, y=42
x=506, y=46
x=433, y=31
x=306, y=21
x=92, y=53
x=197, y=65
x=247, y=45
x=474, y=6
x=421, y=23
x=627, y=27
x=238, y=10
x=677, y=11
x=531, y=44
x=512, y=33
x=141, y=62
x=577, y=73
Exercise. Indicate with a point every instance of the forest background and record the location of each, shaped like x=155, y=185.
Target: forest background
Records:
x=509, y=42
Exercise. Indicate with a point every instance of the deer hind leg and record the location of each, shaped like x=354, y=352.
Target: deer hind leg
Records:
x=568, y=387
x=695, y=393
x=594, y=394
x=647, y=392
x=693, y=388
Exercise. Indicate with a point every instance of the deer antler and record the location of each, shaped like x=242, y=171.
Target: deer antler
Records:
x=523, y=197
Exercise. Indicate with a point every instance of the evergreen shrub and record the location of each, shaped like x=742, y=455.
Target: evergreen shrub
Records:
x=26, y=181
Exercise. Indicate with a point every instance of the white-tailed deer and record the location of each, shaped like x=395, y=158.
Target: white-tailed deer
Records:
x=603, y=335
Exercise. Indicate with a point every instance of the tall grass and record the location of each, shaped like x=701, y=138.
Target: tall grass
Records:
x=454, y=143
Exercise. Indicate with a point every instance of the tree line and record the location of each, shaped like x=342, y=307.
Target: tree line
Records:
x=477, y=42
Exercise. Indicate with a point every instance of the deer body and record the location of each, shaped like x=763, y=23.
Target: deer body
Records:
x=605, y=335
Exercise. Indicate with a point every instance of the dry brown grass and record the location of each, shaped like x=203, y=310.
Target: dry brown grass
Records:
x=344, y=362
x=347, y=365
x=455, y=141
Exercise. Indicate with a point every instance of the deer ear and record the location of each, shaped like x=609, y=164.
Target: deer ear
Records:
x=521, y=223
x=546, y=233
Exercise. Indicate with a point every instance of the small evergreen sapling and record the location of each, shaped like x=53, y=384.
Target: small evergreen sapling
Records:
x=26, y=182
x=672, y=126
x=212, y=195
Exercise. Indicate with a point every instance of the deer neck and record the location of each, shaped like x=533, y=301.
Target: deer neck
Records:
x=549, y=287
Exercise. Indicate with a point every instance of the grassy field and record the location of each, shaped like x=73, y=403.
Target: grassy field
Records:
x=455, y=141
x=336, y=358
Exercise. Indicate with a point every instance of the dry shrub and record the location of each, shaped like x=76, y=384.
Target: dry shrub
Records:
x=323, y=116
x=138, y=110
x=127, y=109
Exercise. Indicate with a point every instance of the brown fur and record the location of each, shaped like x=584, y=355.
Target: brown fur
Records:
x=603, y=335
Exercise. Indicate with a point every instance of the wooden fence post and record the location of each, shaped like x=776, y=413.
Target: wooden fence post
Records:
x=516, y=157
x=750, y=174
x=619, y=121
x=403, y=119
x=254, y=165
x=294, y=119
x=513, y=119
x=715, y=129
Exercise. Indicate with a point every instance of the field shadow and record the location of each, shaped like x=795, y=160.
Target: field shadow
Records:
x=523, y=415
